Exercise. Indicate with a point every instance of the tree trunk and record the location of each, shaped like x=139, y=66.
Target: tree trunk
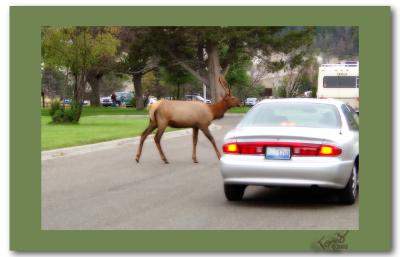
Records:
x=43, y=103
x=137, y=83
x=157, y=84
x=76, y=87
x=94, y=82
x=178, y=89
x=80, y=90
x=214, y=71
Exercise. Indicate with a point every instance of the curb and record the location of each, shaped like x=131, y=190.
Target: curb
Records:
x=82, y=149
x=123, y=116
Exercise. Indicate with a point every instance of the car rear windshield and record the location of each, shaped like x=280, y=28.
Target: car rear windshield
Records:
x=313, y=115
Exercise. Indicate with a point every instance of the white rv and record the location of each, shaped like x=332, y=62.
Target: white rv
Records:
x=340, y=81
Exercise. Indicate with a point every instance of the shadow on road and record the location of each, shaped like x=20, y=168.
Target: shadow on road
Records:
x=289, y=197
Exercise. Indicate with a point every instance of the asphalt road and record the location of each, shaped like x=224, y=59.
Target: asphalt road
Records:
x=107, y=189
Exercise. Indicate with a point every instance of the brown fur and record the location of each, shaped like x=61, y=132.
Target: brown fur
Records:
x=186, y=114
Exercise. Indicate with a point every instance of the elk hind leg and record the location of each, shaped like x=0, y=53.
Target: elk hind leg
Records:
x=157, y=139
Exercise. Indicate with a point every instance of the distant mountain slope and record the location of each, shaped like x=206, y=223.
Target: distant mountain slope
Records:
x=339, y=42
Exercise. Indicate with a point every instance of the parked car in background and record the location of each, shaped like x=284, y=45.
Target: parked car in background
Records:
x=124, y=98
x=197, y=98
x=251, y=101
x=307, y=94
x=300, y=142
x=106, y=101
x=67, y=100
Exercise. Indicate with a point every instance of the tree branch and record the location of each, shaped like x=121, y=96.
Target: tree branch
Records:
x=144, y=70
x=189, y=69
x=258, y=77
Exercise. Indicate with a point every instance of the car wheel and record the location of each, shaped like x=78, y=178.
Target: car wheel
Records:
x=234, y=192
x=348, y=194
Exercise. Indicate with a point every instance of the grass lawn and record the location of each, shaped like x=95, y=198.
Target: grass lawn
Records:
x=242, y=109
x=91, y=111
x=91, y=129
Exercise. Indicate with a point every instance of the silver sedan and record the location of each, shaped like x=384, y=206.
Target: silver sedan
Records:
x=293, y=142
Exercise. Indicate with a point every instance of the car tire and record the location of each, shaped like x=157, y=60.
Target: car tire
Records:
x=348, y=194
x=234, y=192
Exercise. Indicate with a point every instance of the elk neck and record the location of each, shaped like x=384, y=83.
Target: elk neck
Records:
x=218, y=109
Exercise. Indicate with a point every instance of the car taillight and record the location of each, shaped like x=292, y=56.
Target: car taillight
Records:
x=327, y=150
x=244, y=148
x=251, y=148
x=305, y=150
x=230, y=148
x=297, y=149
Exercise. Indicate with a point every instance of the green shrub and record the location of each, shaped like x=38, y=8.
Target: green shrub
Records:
x=69, y=115
x=60, y=114
x=282, y=91
x=76, y=110
x=314, y=91
x=54, y=106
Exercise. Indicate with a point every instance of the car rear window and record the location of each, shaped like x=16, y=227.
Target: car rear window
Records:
x=313, y=115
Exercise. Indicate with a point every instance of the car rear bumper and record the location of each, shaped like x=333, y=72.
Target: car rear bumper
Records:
x=329, y=172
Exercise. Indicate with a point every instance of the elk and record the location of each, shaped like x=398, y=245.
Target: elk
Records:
x=186, y=114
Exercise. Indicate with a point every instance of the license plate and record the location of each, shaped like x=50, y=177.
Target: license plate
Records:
x=278, y=153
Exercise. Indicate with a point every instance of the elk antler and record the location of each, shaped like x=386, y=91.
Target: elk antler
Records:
x=224, y=84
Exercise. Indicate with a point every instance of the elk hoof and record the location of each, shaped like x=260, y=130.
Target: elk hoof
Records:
x=195, y=161
x=166, y=161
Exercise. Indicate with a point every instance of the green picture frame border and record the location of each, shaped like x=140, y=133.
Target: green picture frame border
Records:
x=375, y=201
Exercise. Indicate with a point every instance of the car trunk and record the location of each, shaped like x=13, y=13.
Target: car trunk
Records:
x=284, y=134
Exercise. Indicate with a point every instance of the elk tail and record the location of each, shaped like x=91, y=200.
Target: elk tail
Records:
x=152, y=110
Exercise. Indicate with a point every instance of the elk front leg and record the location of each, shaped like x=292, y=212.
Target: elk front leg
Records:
x=211, y=138
x=195, y=137
x=157, y=139
x=143, y=137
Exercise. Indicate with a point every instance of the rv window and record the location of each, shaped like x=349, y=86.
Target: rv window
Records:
x=340, y=81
